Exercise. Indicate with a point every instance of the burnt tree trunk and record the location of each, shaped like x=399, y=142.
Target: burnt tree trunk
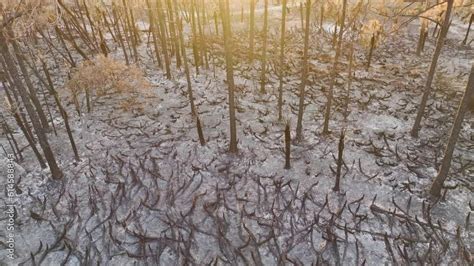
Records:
x=327, y=114
x=224, y=7
x=199, y=130
x=252, y=30
x=118, y=33
x=434, y=63
x=349, y=82
x=186, y=68
x=264, y=49
x=153, y=30
x=63, y=112
x=196, y=47
x=26, y=77
x=164, y=45
x=453, y=137
x=340, y=161
x=304, y=75
x=468, y=29
x=282, y=58
x=287, y=144
x=371, y=51
x=42, y=138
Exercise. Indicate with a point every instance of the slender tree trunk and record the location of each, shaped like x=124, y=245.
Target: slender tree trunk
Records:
x=199, y=130
x=349, y=82
x=282, y=58
x=32, y=92
x=119, y=34
x=327, y=114
x=202, y=37
x=302, y=16
x=69, y=57
x=453, y=137
x=216, y=24
x=421, y=40
x=63, y=112
x=153, y=32
x=340, y=161
x=164, y=44
x=48, y=109
x=103, y=44
x=91, y=23
x=42, y=138
x=15, y=100
x=12, y=141
x=173, y=35
x=224, y=7
x=186, y=69
x=264, y=53
x=334, y=34
x=371, y=50
x=434, y=62
x=173, y=5
x=423, y=31
x=107, y=24
x=130, y=35
x=287, y=143
x=468, y=29
x=70, y=38
x=252, y=30
x=30, y=140
x=196, y=46
x=126, y=39
x=136, y=33
x=424, y=40
x=81, y=30
x=304, y=75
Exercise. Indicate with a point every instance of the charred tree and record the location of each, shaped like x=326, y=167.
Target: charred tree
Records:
x=164, y=44
x=26, y=77
x=196, y=46
x=186, y=68
x=199, y=130
x=42, y=138
x=434, y=63
x=371, y=51
x=62, y=111
x=304, y=75
x=437, y=184
x=282, y=58
x=287, y=144
x=118, y=33
x=327, y=114
x=252, y=30
x=349, y=82
x=264, y=49
x=153, y=30
x=340, y=161
x=224, y=7
x=468, y=29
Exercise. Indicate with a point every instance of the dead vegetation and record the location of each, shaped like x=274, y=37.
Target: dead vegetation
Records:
x=184, y=158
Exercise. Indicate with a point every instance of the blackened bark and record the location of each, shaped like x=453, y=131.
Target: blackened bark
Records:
x=42, y=138
x=287, y=144
x=453, y=137
x=434, y=63
x=304, y=75
x=340, y=161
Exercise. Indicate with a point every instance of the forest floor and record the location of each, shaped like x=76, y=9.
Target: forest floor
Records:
x=146, y=191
